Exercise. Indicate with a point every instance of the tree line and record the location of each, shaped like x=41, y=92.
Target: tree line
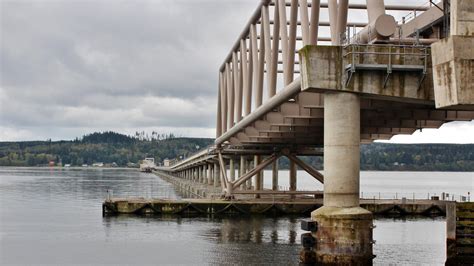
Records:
x=110, y=147
x=107, y=147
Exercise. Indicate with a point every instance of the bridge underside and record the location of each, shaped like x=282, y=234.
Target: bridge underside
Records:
x=382, y=81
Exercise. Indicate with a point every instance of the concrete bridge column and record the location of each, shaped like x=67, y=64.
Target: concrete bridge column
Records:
x=232, y=169
x=199, y=174
x=204, y=174
x=249, y=181
x=344, y=233
x=292, y=178
x=209, y=174
x=275, y=175
x=242, y=169
x=259, y=176
x=216, y=175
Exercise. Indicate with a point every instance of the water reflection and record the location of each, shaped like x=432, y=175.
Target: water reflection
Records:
x=54, y=216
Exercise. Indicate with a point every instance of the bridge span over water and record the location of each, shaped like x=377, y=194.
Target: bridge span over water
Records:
x=310, y=78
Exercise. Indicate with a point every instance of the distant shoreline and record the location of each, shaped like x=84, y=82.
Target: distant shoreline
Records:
x=72, y=167
x=131, y=168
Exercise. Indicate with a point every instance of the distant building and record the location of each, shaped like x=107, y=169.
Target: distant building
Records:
x=98, y=164
x=166, y=162
x=147, y=165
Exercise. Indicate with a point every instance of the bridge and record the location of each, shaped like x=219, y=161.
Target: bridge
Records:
x=294, y=84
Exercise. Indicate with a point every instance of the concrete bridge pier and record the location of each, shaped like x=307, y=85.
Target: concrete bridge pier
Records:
x=216, y=175
x=249, y=181
x=209, y=174
x=242, y=169
x=203, y=174
x=232, y=169
x=258, y=184
x=200, y=171
x=292, y=178
x=275, y=175
x=344, y=234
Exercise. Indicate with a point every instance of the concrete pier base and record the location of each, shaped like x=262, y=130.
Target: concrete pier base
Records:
x=344, y=236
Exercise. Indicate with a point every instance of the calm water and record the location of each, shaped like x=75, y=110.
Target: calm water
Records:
x=54, y=217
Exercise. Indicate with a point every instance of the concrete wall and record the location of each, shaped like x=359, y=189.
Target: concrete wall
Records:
x=323, y=69
x=453, y=75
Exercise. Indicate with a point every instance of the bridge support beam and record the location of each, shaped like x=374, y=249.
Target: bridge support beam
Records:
x=344, y=233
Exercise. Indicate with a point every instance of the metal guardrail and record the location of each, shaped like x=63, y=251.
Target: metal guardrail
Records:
x=413, y=196
x=352, y=54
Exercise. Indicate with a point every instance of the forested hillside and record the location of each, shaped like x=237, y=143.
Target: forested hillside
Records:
x=107, y=147
x=110, y=147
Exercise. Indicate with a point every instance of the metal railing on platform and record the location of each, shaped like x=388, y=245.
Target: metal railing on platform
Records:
x=414, y=196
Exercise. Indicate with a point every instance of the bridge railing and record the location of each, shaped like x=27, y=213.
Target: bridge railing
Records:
x=263, y=57
x=253, y=61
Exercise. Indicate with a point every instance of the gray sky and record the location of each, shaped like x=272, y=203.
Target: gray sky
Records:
x=73, y=67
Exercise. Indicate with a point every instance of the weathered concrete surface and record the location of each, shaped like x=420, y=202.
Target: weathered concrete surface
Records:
x=344, y=235
x=462, y=17
x=453, y=72
x=341, y=149
x=323, y=70
x=460, y=224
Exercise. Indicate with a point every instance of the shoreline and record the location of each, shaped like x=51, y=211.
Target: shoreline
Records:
x=131, y=168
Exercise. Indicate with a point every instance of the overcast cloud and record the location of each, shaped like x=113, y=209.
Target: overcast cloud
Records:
x=73, y=67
